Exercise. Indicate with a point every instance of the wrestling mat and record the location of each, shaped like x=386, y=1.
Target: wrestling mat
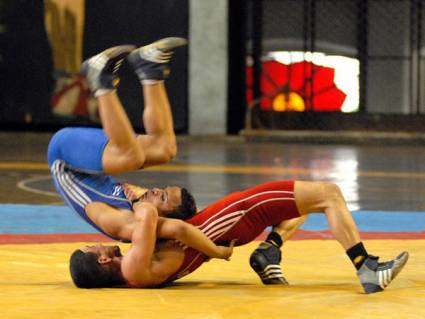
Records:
x=37, y=240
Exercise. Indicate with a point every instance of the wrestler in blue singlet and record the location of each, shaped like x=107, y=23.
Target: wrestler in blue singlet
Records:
x=75, y=162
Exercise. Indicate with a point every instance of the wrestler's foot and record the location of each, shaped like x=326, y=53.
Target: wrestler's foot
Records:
x=150, y=62
x=101, y=69
x=375, y=276
x=265, y=261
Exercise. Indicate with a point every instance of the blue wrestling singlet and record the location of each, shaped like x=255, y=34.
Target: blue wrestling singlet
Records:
x=75, y=161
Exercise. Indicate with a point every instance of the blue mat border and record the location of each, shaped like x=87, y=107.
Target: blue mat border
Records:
x=50, y=219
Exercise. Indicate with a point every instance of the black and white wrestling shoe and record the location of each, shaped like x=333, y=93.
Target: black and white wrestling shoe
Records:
x=101, y=70
x=265, y=261
x=375, y=276
x=150, y=62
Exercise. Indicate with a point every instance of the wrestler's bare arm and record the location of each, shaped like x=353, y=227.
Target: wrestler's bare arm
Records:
x=121, y=223
x=118, y=223
x=138, y=266
x=178, y=229
x=192, y=237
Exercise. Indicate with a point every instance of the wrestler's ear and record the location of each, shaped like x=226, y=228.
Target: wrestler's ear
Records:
x=103, y=259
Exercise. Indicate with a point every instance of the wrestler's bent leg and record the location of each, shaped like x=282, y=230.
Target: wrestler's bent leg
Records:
x=125, y=151
x=121, y=153
x=150, y=63
x=325, y=197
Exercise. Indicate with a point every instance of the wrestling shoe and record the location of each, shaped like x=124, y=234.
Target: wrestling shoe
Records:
x=150, y=62
x=101, y=69
x=265, y=261
x=375, y=276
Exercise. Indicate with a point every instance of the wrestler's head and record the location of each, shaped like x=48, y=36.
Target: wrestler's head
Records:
x=172, y=201
x=96, y=267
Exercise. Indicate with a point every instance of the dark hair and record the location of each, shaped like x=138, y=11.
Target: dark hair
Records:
x=187, y=208
x=86, y=272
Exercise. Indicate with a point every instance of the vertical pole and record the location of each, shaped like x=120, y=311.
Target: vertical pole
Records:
x=306, y=48
x=236, y=98
x=362, y=50
x=257, y=48
x=419, y=87
x=413, y=102
x=312, y=48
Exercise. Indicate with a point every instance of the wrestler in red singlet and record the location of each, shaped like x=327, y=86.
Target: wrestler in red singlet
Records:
x=242, y=216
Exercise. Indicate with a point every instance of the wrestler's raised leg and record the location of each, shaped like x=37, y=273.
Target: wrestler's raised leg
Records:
x=124, y=151
x=151, y=66
x=159, y=142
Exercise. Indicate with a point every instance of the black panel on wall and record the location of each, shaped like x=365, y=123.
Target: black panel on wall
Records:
x=237, y=55
x=111, y=22
x=26, y=64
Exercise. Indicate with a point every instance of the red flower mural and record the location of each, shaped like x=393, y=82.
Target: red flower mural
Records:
x=301, y=86
x=72, y=98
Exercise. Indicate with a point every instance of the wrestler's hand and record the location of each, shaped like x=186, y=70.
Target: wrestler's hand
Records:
x=133, y=192
x=226, y=252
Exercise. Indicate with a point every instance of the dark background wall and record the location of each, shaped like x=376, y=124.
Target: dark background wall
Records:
x=26, y=64
x=26, y=67
x=386, y=36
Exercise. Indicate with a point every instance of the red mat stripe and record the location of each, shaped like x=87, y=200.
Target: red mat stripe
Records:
x=300, y=235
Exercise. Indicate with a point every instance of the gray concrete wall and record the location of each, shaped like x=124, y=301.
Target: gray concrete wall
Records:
x=207, y=67
x=388, y=80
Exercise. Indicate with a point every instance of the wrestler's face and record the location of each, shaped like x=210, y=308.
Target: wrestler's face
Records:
x=165, y=200
x=104, y=253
